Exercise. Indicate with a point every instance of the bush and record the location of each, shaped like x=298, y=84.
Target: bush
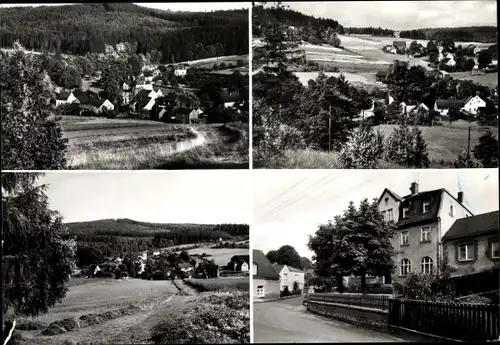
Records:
x=406, y=148
x=285, y=292
x=487, y=150
x=158, y=275
x=363, y=149
x=418, y=285
x=145, y=275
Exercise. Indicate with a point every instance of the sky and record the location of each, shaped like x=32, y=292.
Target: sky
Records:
x=191, y=196
x=403, y=15
x=176, y=6
x=290, y=204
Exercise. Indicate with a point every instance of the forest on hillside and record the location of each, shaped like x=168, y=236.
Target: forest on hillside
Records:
x=261, y=16
x=484, y=34
x=87, y=28
x=370, y=31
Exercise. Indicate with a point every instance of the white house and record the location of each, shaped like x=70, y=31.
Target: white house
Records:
x=180, y=69
x=106, y=104
x=150, y=104
x=408, y=106
x=396, y=34
x=288, y=276
x=472, y=104
x=265, y=280
x=443, y=106
x=65, y=98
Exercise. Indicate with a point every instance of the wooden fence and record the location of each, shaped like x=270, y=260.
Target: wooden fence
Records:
x=467, y=322
x=367, y=301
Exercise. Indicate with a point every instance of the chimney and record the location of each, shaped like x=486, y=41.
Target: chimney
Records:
x=414, y=188
x=460, y=197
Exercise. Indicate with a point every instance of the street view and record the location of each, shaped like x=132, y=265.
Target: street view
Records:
x=375, y=256
x=375, y=85
x=124, y=86
x=125, y=258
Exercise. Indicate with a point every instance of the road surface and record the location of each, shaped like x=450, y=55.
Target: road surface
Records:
x=288, y=321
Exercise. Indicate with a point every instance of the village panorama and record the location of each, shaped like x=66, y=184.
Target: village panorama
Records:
x=81, y=273
x=335, y=88
x=123, y=86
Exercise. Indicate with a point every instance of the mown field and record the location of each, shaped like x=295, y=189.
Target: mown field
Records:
x=138, y=311
x=99, y=143
x=221, y=256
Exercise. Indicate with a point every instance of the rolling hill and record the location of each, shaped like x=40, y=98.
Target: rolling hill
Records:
x=87, y=28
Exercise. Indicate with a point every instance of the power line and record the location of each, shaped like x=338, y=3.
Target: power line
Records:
x=285, y=191
x=300, y=193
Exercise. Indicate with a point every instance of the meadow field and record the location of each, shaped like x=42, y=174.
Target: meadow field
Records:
x=240, y=283
x=134, y=311
x=100, y=143
x=221, y=256
x=444, y=143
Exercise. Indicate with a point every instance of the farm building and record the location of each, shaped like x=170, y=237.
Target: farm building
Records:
x=381, y=75
x=408, y=106
x=265, y=282
x=239, y=263
x=65, y=98
x=180, y=69
x=400, y=46
x=443, y=106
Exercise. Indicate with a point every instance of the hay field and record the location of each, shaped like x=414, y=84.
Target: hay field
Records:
x=98, y=296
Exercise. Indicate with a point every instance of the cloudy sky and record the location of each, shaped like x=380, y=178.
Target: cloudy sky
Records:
x=178, y=6
x=400, y=15
x=191, y=196
x=290, y=204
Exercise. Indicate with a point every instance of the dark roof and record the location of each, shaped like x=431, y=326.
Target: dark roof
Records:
x=278, y=268
x=63, y=96
x=293, y=269
x=414, y=202
x=143, y=93
x=94, y=101
x=473, y=226
x=264, y=268
x=399, y=44
x=241, y=258
x=450, y=103
x=411, y=102
x=231, y=98
x=382, y=73
x=185, y=265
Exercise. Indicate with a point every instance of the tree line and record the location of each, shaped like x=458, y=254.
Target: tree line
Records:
x=484, y=34
x=88, y=28
x=370, y=31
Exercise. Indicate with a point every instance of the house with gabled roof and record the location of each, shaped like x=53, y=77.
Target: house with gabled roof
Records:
x=265, y=280
x=65, y=98
x=239, y=263
x=471, y=243
x=288, y=276
x=422, y=219
x=443, y=106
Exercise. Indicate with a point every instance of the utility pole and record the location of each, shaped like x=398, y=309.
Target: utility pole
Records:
x=468, y=145
x=330, y=129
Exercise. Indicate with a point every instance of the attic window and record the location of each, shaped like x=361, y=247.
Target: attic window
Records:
x=406, y=210
x=452, y=211
x=386, y=200
x=426, y=206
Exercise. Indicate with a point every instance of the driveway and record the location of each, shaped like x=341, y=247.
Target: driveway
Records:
x=288, y=321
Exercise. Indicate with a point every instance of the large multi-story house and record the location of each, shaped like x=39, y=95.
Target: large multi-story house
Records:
x=265, y=280
x=422, y=219
x=288, y=276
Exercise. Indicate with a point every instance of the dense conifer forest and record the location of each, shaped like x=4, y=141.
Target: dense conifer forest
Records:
x=484, y=34
x=87, y=28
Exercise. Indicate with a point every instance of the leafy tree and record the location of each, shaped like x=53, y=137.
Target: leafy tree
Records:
x=464, y=160
x=37, y=251
x=406, y=147
x=272, y=256
x=363, y=150
x=469, y=65
x=70, y=79
x=484, y=58
x=287, y=255
x=88, y=255
x=358, y=242
x=31, y=138
x=418, y=285
x=136, y=65
x=306, y=263
x=486, y=151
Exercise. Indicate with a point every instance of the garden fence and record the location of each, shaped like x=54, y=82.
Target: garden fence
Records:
x=367, y=301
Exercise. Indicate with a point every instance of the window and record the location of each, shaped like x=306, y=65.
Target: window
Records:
x=495, y=253
x=404, y=238
x=465, y=252
x=406, y=210
x=260, y=290
x=425, y=234
x=285, y=275
x=405, y=267
x=384, y=214
x=452, y=211
x=426, y=265
x=254, y=269
x=426, y=207
x=389, y=215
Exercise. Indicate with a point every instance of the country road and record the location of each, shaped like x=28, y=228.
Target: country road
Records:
x=288, y=321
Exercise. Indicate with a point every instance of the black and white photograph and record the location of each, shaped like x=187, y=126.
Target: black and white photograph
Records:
x=125, y=257
x=375, y=256
x=375, y=85
x=125, y=86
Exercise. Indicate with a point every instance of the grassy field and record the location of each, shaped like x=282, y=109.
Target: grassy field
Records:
x=99, y=143
x=443, y=143
x=487, y=79
x=97, y=296
x=240, y=283
x=221, y=256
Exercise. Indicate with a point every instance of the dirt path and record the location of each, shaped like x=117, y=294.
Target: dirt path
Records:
x=190, y=144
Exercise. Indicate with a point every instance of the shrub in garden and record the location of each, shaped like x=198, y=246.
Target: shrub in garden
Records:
x=417, y=285
x=362, y=150
x=285, y=292
x=406, y=147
